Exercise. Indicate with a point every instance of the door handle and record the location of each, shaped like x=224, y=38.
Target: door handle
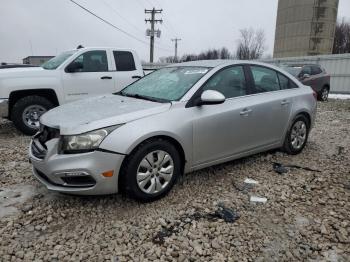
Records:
x=285, y=102
x=136, y=77
x=245, y=112
x=106, y=77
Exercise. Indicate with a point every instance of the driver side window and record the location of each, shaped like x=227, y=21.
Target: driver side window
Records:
x=230, y=82
x=92, y=61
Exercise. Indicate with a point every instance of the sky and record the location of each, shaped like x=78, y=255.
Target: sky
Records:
x=48, y=27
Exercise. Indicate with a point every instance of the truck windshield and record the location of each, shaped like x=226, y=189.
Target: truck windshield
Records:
x=57, y=60
x=166, y=84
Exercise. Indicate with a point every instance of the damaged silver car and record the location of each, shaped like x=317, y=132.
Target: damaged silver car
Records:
x=175, y=120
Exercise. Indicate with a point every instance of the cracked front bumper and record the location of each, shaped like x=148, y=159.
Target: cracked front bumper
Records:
x=55, y=171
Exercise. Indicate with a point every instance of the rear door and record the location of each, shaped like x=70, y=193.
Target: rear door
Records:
x=126, y=69
x=317, y=76
x=92, y=77
x=270, y=105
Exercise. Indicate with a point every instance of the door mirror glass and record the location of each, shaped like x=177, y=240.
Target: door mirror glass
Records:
x=211, y=97
x=74, y=67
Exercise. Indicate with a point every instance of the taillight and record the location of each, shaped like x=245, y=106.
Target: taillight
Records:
x=315, y=94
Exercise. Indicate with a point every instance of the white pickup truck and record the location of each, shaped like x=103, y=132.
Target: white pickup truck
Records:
x=27, y=93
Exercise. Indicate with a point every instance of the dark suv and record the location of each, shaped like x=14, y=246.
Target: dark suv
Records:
x=311, y=75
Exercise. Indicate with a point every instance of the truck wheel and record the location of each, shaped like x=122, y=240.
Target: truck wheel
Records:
x=27, y=111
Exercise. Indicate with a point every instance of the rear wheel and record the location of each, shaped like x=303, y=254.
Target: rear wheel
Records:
x=26, y=112
x=297, y=135
x=151, y=170
x=323, y=95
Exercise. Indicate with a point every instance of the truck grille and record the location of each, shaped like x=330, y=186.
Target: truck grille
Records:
x=39, y=148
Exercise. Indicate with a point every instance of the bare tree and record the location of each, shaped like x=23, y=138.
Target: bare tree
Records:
x=210, y=54
x=167, y=59
x=342, y=38
x=224, y=53
x=251, y=44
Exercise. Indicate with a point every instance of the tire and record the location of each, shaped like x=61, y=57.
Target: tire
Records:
x=34, y=106
x=290, y=145
x=137, y=175
x=323, y=94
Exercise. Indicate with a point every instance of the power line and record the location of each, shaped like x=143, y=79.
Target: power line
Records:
x=149, y=2
x=117, y=28
x=164, y=47
x=126, y=20
x=141, y=4
x=110, y=24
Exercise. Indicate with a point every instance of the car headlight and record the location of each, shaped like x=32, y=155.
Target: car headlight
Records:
x=86, y=142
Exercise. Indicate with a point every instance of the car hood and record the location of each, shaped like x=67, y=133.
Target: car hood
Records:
x=98, y=112
x=23, y=72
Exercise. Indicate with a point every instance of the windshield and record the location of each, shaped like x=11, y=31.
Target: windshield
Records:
x=57, y=60
x=166, y=84
x=294, y=71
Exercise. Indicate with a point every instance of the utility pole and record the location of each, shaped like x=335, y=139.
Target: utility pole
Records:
x=152, y=32
x=175, y=40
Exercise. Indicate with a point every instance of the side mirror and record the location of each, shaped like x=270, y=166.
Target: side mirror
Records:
x=74, y=67
x=211, y=97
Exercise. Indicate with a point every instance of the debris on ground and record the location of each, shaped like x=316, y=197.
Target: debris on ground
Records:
x=282, y=169
x=251, y=181
x=242, y=187
x=222, y=212
x=258, y=199
x=227, y=214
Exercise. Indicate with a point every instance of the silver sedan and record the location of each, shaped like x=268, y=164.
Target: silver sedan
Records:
x=175, y=120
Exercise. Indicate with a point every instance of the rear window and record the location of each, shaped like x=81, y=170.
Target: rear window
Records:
x=294, y=71
x=124, y=61
x=315, y=70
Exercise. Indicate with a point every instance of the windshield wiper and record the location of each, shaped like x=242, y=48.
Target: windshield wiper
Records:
x=149, y=98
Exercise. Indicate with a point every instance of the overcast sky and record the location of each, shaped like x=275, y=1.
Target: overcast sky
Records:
x=47, y=27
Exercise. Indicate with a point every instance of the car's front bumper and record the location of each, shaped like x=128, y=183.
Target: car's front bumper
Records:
x=4, y=107
x=79, y=174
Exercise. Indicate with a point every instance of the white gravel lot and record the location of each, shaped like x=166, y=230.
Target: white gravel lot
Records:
x=306, y=216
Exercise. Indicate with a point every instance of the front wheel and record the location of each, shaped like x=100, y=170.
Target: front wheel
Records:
x=26, y=112
x=151, y=170
x=297, y=135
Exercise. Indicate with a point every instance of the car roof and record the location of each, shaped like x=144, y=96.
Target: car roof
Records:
x=300, y=65
x=217, y=63
x=88, y=48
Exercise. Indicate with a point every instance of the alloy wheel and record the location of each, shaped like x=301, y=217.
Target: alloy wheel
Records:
x=324, y=94
x=298, y=135
x=31, y=115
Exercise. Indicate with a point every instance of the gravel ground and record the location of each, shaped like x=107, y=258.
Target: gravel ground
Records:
x=306, y=216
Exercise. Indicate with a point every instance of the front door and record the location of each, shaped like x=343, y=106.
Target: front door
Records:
x=219, y=131
x=90, y=78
